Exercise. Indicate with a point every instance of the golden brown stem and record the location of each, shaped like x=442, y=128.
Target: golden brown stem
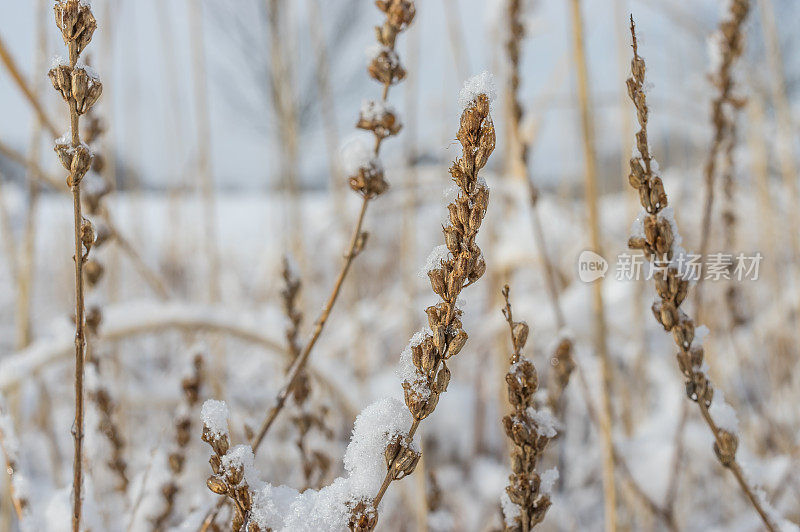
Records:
x=204, y=146
x=23, y=85
x=300, y=362
x=80, y=318
x=587, y=128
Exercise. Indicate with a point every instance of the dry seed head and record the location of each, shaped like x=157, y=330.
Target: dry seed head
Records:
x=75, y=20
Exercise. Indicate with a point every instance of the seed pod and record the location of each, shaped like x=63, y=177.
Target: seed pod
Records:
x=216, y=463
x=463, y=211
x=217, y=486
x=650, y=229
x=64, y=152
x=428, y=360
x=442, y=380
x=234, y=475
x=475, y=218
x=520, y=334
x=61, y=78
x=93, y=271
x=644, y=198
x=725, y=447
x=416, y=356
x=81, y=162
x=439, y=338
x=478, y=270
x=437, y=281
x=220, y=445
x=433, y=316
x=638, y=69
x=669, y=315
x=451, y=239
x=392, y=448
x=87, y=234
x=92, y=95
x=80, y=84
x=454, y=220
x=429, y=406
x=244, y=497
x=456, y=344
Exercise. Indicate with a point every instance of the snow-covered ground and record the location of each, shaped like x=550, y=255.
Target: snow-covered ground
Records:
x=145, y=345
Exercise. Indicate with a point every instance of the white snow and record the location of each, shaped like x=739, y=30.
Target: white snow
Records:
x=215, y=416
x=356, y=154
x=545, y=422
x=482, y=83
x=510, y=510
x=549, y=479
x=435, y=258
x=376, y=109
x=723, y=414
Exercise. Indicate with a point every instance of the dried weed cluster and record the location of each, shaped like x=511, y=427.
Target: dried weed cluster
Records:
x=80, y=88
x=529, y=432
x=660, y=243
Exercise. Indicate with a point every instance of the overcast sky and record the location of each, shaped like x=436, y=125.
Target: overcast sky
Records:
x=142, y=52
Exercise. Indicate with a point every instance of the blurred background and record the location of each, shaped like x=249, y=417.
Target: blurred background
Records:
x=219, y=131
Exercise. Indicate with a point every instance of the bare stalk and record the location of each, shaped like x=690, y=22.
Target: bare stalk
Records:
x=80, y=89
x=730, y=43
x=367, y=179
x=204, y=145
x=461, y=266
x=657, y=241
x=27, y=266
x=600, y=342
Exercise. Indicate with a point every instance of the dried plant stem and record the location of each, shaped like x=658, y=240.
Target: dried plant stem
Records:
x=150, y=276
x=327, y=105
x=664, y=514
x=445, y=338
x=80, y=90
x=657, y=245
x=204, y=147
x=600, y=341
x=9, y=244
x=730, y=42
x=297, y=366
x=786, y=128
x=285, y=108
x=19, y=80
x=26, y=261
x=80, y=320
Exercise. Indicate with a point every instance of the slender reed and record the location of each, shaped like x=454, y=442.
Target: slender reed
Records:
x=367, y=177
x=80, y=88
x=600, y=341
x=452, y=267
x=530, y=431
x=190, y=386
x=660, y=241
x=204, y=143
x=315, y=464
x=728, y=43
x=27, y=265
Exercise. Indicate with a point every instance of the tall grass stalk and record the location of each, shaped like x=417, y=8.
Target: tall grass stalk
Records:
x=600, y=341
